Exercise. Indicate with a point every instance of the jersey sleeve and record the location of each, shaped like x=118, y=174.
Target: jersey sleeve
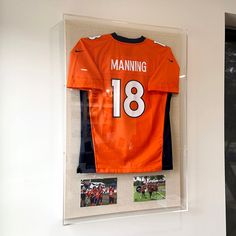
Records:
x=166, y=77
x=83, y=71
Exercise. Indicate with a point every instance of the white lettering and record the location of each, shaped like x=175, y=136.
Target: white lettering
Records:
x=126, y=65
x=129, y=65
x=138, y=65
x=114, y=65
x=144, y=66
x=121, y=66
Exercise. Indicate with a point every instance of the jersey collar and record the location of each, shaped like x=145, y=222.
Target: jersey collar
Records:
x=127, y=40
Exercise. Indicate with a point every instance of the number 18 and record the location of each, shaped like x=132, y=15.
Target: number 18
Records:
x=130, y=97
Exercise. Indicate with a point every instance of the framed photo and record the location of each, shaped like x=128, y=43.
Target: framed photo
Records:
x=148, y=188
x=98, y=192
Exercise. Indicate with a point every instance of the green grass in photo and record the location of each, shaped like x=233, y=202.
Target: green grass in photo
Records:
x=159, y=195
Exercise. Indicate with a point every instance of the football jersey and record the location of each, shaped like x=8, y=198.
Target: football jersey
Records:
x=127, y=82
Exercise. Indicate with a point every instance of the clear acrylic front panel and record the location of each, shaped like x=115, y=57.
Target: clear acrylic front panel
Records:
x=90, y=196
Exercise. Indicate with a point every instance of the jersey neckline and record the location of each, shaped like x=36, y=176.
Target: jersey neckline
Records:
x=122, y=39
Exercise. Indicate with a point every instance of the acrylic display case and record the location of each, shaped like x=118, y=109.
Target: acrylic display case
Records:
x=94, y=196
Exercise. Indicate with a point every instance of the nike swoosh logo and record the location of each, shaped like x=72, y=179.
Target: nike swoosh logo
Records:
x=78, y=50
x=171, y=61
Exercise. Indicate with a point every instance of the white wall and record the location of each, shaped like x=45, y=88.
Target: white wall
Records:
x=31, y=117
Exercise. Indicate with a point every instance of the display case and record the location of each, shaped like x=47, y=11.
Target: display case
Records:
x=95, y=195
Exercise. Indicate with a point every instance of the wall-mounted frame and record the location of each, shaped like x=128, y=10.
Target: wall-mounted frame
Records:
x=126, y=198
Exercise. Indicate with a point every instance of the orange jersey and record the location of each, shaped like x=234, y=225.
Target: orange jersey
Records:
x=128, y=81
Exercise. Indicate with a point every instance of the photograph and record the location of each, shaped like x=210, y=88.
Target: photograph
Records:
x=98, y=192
x=148, y=188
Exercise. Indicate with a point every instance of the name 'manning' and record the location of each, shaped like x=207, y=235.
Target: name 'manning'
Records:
x=128, y=65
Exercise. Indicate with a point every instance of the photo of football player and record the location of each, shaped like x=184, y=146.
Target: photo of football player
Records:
x=147, y=188
x=111, y=195
x=98, y=192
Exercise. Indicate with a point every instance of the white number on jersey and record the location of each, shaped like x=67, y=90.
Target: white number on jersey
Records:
x=130, y=97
